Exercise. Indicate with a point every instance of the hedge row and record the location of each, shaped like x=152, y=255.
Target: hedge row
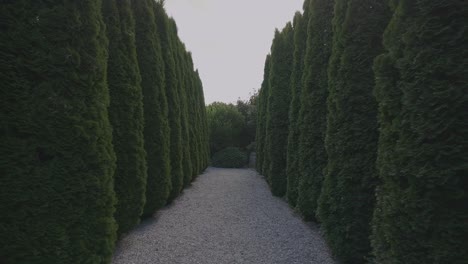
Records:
x=102, y=122
x=375, y=127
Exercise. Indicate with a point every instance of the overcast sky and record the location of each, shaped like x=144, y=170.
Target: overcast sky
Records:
x=229, y=40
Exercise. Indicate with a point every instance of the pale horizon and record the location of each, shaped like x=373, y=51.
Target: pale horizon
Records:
x=229, y=41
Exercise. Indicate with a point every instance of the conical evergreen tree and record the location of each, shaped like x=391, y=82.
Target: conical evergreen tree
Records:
x=262, y=112
x=57, y=161
x=182, y=74
x=125, y=114
x=201, y=123
x=292, y=172
x=189, y=82
x=313, y=112
x=421, y=212
x=347, y=197
x=172, y=95
x=156, y=131
x=278, y=108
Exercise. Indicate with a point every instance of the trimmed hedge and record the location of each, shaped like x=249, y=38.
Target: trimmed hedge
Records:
x=261, y=118
x=172, y=86
x=230, y=158
x=347, y=199
x=156, y=132
x=278, y=108
x=125, y=114
x=57, y=161
x=421, y=214
x=292, y=168
x=313, y=112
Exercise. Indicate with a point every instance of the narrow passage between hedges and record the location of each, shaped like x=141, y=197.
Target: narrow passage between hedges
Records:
x=226, y=216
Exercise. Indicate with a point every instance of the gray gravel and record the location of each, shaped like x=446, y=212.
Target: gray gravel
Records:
x=226, y=216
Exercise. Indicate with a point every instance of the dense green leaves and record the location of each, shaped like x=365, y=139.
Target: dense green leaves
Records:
x=57, y=161
x=87, y=109
x=125, y=114
x=292, y=169
x=421, y=214
x=313, y=112
x=261, y=118
x=172, y=87
x=226, y=124
x=278, y=108
x=231, y=157
x=347, y=198
x=156, y=132
x=414, y=91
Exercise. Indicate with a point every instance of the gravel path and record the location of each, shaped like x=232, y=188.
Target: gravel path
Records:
x=226, y=216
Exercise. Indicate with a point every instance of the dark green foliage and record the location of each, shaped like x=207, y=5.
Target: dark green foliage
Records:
x=278, y=108
x=262, y=109
x=182, y=73
x=230, y=158
x=347, y=197
x=313, y=112
x=125, y=114
x=203, y=124
x=248, y=109
x=421, y=214
x=57, y=161
x=156, y=131
x=292, y=169
x=172, y=86
x=226, y=124
x=193, y=128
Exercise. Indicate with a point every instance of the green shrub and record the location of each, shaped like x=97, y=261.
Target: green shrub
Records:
x=229, y=158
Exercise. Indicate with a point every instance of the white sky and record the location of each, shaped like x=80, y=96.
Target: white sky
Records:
x=229, y=40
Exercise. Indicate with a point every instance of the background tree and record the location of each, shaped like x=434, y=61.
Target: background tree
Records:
x=226, y=125
x=292, y=172
x=278, y=108
x=248, y=108
x=421, y=213
x=313, y=112
x=156, y=131
x=347, y=197
x=57, y=161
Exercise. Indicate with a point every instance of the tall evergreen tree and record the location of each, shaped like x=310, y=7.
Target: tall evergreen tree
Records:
x=292, y=172
x=173, y=101
x=347, y=197
x=421, y=214
x=57, y=161
x=201, y=123
x=259, y=133
x=156, y=131
x=262, y=113
x=313, y=112
x=192, y=114
x=183, y=72
x=278, y=108
x=125, y=114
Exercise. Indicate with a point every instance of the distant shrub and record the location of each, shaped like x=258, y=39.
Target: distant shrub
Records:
x=229, y=158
